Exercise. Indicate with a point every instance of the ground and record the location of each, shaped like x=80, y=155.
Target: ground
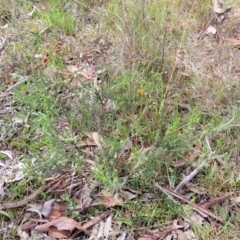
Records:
x=119, y=119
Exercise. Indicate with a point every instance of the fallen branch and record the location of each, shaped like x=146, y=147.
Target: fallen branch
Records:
x=189, y=177
x=22, y=202
x=204, y=212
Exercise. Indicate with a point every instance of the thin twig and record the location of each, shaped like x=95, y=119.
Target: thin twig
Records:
x=3, y=45
x=196, y=207
x=195, y=171
x=22, y=202
x=8, y=91
x=189, y=177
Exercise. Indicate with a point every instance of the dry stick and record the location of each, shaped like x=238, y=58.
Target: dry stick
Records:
x=22, y=202
x=91, y=223
x=194, y=172
x=199, y=209
x=208, y=204
x=8, y=91
x=189, y=177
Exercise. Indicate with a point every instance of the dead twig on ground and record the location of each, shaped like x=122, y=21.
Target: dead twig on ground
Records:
x=22, y=202
x=3, y=45
x=189, y=177
x=9, y=90
x=195, y=171
x=204, y=212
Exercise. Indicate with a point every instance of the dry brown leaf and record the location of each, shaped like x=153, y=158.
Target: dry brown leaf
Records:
x=128, y=195
x=58, y=210
x=62, y=223
x=110, y=200
x=194, y=154
x=58, y=234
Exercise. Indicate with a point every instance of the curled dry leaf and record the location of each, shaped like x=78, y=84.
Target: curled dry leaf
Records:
x=47, y=208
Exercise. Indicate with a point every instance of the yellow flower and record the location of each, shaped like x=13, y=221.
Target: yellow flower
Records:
x=141, y=91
